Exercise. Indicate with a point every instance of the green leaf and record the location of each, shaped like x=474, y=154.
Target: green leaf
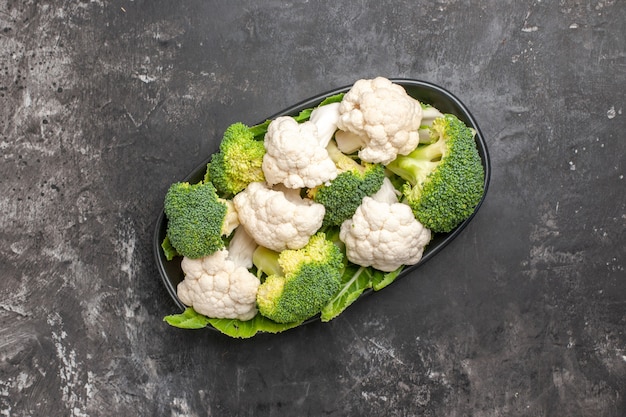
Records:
x=169, y=250
x=188, y=319
x=382, y=279
x=260, y=130
x=355, y=280
x=246, y=329
x=304, y=115
x=333, y=99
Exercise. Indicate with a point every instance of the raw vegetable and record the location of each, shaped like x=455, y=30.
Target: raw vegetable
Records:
x=429, y=114
x=298, y=283
x=191, y=319
x=444, y=178
x=295, y=155
x=220, y=285
x=260, y=130
x=330, y=202
x=238, y=162
x=344, y=194
x=278, y=218
x=355, y=280
x=383, y=116
x=383, y=233
x=198, y=219
x=325, y=118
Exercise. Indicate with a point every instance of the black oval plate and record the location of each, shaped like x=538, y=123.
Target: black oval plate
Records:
x=428, y=93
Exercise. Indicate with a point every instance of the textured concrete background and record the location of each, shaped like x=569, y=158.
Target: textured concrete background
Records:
x=103, y=104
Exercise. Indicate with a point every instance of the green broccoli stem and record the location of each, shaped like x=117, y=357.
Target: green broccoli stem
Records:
x=266, y=261
x=417, y=165
x=432, y=152
x=342, y=161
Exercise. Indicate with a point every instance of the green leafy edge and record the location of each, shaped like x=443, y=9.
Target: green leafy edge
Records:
x=168, y=250
x=259, y=130
x=190, y=319
x=355, y=280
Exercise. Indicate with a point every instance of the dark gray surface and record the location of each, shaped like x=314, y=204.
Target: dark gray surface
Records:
x=104, y=104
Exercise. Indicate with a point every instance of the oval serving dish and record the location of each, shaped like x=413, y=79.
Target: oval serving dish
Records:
x=171, y=272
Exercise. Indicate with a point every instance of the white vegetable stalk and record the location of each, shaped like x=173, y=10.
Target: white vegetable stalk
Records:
x=325, y=119
x=349, y=142
x=387, y=193
x=241, y=248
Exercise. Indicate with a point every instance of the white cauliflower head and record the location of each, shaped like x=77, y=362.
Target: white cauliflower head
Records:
x=218, y=287
x=383, y=116
x=295, y=156
x=384, y=233
x=278, y=218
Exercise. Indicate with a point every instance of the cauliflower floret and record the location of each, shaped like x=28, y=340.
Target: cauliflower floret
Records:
x=383, y=233
x=295, y=155
x=380, y=118
x=278, y=218
x=218, y=287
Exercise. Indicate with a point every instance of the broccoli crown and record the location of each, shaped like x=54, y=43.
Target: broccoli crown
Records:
x=238, y=162
x=445, y=178
x=195, y=218
x=345, y=193
x=306, y=281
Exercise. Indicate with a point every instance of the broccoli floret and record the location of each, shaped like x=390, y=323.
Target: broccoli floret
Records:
x=198, y=219
x=238, y=162
x=345, y=193
x=300, y=282
x=445, y=178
